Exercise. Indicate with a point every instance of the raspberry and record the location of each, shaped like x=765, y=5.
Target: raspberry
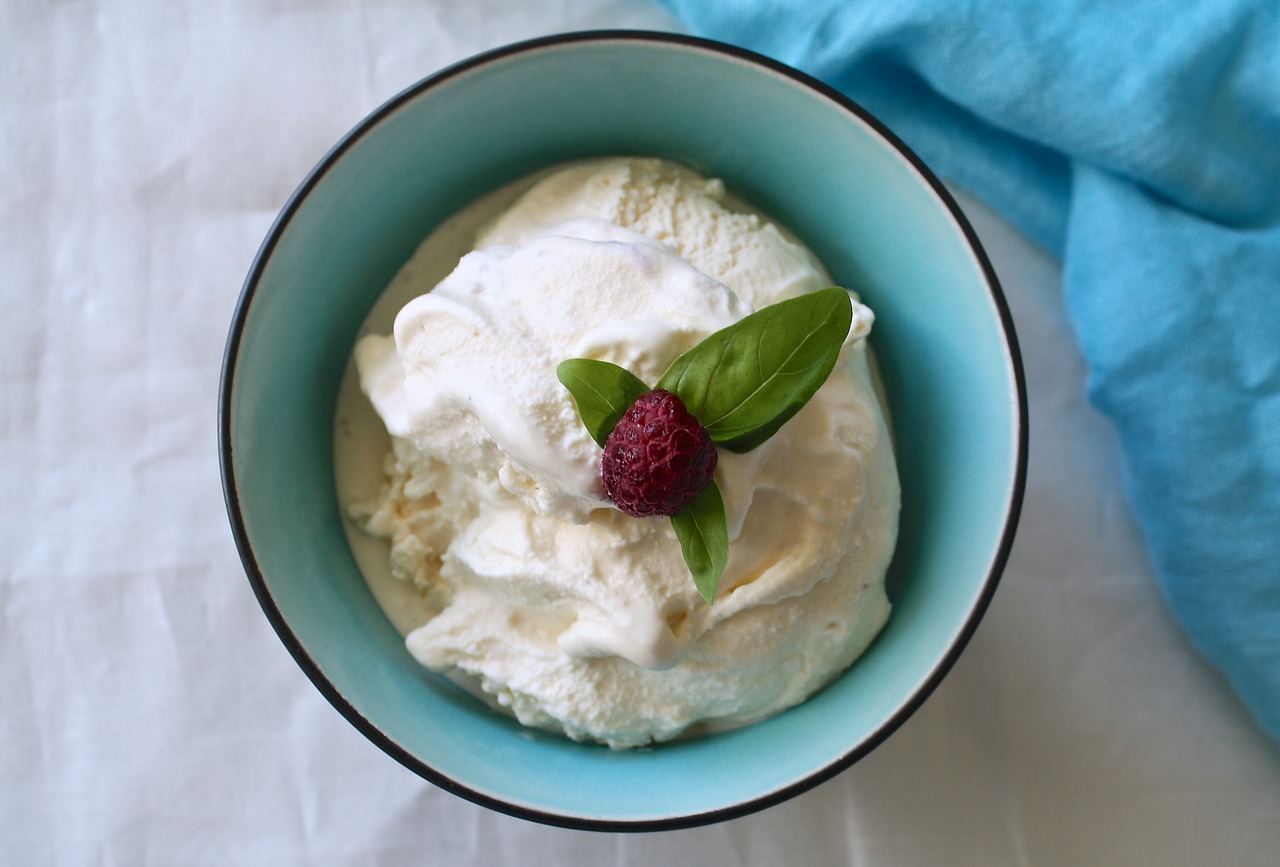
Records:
x=658, y=458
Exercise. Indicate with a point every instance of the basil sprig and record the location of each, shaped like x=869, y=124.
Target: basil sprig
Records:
x=743, y=383
x=603, y=392
x=704, y=539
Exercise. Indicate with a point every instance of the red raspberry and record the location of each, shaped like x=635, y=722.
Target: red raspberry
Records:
x=658, y=458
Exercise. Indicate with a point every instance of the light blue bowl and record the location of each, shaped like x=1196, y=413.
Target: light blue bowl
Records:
x=870, y=210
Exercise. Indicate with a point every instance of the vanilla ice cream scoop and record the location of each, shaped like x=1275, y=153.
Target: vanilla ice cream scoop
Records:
x=675, y=206
x=465, y=376
x=562, y=609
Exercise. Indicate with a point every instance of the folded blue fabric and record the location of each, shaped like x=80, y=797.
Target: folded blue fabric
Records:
x=1140, y=142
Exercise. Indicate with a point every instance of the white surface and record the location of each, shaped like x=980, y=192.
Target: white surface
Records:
x=148, y=714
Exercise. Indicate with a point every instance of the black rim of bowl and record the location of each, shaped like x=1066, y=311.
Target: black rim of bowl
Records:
x=367, y=727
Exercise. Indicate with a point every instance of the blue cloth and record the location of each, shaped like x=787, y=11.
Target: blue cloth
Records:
x=1140, y=142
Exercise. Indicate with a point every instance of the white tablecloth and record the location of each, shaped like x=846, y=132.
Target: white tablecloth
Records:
x=149, y=715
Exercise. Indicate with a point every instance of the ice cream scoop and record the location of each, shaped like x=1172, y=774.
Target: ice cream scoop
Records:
x=569, y=613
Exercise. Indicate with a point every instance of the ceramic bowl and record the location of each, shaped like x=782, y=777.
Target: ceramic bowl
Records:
x=819, y=164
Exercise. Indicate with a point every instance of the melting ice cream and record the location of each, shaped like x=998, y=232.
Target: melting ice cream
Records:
x=563, y=610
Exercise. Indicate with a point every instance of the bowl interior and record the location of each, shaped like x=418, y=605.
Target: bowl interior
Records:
x=880, y=225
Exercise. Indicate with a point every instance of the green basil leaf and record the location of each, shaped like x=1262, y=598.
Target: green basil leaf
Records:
x=704, y=540
x=603, y=392
x=745, y=381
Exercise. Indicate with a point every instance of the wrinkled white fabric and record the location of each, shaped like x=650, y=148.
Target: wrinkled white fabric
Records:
x=148, y=714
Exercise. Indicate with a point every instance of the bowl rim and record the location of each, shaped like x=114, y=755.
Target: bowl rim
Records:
x=367, y=727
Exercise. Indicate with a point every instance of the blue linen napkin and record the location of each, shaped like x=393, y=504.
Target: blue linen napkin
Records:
x=1140, y=142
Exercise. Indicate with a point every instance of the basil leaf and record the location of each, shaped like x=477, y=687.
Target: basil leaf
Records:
x=603, y=392
x=704, y=540
x=745, y=381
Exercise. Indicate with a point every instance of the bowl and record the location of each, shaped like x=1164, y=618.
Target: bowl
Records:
x=818, y=163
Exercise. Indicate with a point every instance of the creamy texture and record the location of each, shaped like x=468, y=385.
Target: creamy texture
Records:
x=567, y=612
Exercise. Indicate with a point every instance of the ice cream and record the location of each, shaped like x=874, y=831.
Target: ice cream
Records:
x=568, y=613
